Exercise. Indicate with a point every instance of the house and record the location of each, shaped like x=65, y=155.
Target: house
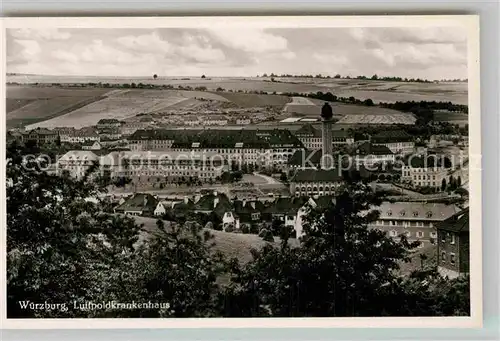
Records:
x=368, y=154
x=284, y=209
x=243, y=212
x=309, y=182
x=213, y=202
x=153, y=139
x=65, y=133
x=77, y=163
x=453, y=245
x=168, y=205
x=128, y=128
x=110, y=133
x=91, y=145
x=342, y=137
x=416, y=220
x=84, y=134
x=139, y=204
x=190, y=120
x=107, y=123
x=398, y=141
x=320, y=203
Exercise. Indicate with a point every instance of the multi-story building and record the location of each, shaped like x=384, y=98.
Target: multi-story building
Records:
x=129, y=128
x=191, y=120
x=91, y=145
x=310, y=137
x=139, y=204
x=416, y=220
x=84, y=134
x=369, y=155
x=110, y=133
x=65, y=133
x=215, y=120
x=243, y=120
x=154, y=139
x=315, y=182
x=426, y=171
x=282, y=145
x=76, y=163
x=453, y=245
x=108, y=123
x=40, y=136
x=398, y=141
x=166, y=166
x=342, y=137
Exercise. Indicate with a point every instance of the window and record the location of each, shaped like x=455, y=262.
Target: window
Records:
x=408, y=234
x=420, y=234
x=443, y=256
x=452, y=239
x=402, y=213
x=443, y=238
x=452, y=258
x=389, y=213
x=415, y=214
x=393, y=233
x=433, y=234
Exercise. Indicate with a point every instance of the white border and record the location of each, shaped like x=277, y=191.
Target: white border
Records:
x=469, y=22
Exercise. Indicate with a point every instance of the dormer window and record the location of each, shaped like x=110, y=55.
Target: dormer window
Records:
x=429, y=214
x=389, y=213
x=402, y=213
x=415, y=214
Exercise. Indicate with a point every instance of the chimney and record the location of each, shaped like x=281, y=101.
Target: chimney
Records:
x=186, y=200
x=197, y=197
x=215, y=193
x=253, y=204
x=216, y=201
x=244, y=202
x=145, y=201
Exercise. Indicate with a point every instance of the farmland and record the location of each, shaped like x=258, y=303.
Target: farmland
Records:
x=378, y=91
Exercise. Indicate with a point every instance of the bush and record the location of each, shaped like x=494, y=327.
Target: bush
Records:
x=245, y=229
x=266, y=235
x=209, y=225
x=229, y=228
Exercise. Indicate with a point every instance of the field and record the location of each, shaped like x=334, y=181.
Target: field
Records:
x=400, y=118
x=378, y=91
x=254, y=100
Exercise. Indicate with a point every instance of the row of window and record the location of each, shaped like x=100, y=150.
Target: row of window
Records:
x=418, y=234
x=404, y=224
x=444, y=258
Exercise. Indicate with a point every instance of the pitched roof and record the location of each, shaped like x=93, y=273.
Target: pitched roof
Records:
x=308, y=131
x=388, y=136
x=317, y=175
x=367, y=148
x=79, y=155
x=416, y=211
x=139, y=202
x=108, y=121
x=206, y=202
x=459, y=222
x=286, y=205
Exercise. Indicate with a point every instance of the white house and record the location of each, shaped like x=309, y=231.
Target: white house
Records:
x=76, y=163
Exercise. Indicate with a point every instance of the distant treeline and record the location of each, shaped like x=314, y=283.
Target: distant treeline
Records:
x=432, y=105
x=374, y=77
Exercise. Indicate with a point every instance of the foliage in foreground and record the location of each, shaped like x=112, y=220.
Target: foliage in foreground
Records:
x=64, y=249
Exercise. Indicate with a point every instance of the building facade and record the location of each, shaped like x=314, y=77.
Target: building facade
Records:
x=77, y=163
x=453, y=245
x=416, y=220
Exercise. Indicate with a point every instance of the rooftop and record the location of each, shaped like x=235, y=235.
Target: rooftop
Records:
x=388, y=136
x=416, y=211
x=317, y=175
x=459, y=222
x=139, y=202
x=367, y=148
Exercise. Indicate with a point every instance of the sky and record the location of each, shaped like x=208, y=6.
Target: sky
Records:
x=427, y=52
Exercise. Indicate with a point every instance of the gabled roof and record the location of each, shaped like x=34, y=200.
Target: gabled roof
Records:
x=317, y=175
x=79, y=155
x=286, y=205
x=206, y=202
x=308, y=131
x=108, y=121
x=367, y=148
x=459, y=222
x=139, y=202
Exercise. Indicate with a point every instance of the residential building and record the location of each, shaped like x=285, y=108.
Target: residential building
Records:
x=243, y=212
x=282, y=145
x=342, y=137
x=368, y=154
x=154, y=139
x=140, y=204
x=65, y=133
x=192, y=120
x=416, y=220
x=398, y=141
x=76, y=163
x=110, y=133
x=284, y=210
x=453, y=245
x=315, y=182
x=305, y=159
x=128, y=128
x=84, y=134
x=107, y=123
x=215, y=202
x=91, y=145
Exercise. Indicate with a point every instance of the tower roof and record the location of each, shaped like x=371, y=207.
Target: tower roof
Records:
x=326, y=112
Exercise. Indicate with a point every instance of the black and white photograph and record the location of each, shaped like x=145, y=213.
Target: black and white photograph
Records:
x=236, y=168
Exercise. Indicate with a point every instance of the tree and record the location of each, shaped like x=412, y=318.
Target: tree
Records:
x=374, y=77
x=155, y=76
x=203, y=76
x=459, y=181
x=443, y=185
x=350, y=262
x=337, y=76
